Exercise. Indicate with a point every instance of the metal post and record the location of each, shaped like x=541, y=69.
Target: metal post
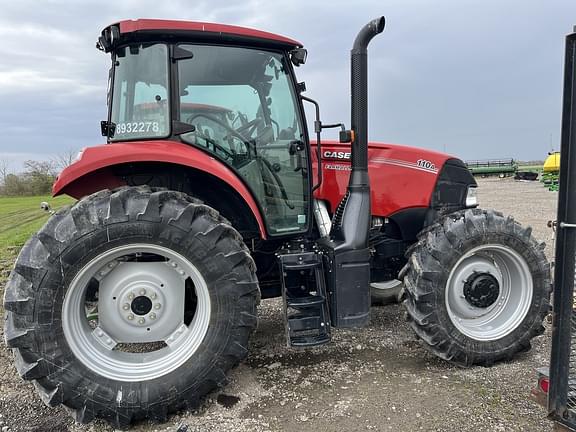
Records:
x=561, y=407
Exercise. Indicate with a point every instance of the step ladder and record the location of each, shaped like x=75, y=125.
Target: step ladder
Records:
x=306, y=311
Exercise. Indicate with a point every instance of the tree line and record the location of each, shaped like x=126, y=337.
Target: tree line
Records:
x=36, y=178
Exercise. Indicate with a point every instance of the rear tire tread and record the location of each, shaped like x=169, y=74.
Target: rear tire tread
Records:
x=110, y=208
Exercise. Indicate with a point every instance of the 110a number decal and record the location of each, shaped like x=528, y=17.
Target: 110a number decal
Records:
x=426, y=164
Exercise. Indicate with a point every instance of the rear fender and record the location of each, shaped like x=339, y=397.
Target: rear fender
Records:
x=93, y=171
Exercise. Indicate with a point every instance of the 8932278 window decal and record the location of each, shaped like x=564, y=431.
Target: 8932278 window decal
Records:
x=127, y=128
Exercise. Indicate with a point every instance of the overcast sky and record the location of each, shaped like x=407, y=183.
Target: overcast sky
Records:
x=475, y=78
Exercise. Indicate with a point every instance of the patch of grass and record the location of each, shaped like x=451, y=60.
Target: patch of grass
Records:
x=20, y=217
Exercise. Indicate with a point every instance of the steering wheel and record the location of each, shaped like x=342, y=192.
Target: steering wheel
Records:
x=232, y=131
x=236, y=132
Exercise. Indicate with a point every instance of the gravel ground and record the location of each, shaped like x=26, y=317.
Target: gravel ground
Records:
x=378, y=378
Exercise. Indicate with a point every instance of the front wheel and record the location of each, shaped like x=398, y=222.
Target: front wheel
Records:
x=477, y=287
x=386, y=292
x=131, y=304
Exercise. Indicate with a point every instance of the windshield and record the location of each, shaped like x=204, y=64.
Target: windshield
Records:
x=140, y=106
x=244, y=110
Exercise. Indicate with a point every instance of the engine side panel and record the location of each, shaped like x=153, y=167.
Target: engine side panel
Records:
x=401, y=177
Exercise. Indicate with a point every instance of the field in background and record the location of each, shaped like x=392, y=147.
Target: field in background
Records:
x=20, y=217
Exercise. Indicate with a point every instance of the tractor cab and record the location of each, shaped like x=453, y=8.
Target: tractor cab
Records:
x=231, y=93
x=223, y=90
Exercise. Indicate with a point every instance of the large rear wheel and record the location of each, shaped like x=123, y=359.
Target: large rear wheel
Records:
x=131, y=304
x=477, y=287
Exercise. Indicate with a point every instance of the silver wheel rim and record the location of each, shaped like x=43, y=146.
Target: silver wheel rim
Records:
x=97, y=345
x=511, y=306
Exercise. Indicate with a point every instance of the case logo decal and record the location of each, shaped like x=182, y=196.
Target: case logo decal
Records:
x=328, y=154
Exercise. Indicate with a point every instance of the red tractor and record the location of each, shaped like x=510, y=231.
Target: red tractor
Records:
x=208, y=196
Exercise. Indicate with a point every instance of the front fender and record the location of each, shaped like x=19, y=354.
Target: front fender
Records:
x=92, y=171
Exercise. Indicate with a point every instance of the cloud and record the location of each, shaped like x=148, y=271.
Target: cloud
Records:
x=481, y=79
x=21, y=80
x=34, y=31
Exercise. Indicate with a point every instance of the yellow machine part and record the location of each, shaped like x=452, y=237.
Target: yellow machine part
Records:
x=552, y=163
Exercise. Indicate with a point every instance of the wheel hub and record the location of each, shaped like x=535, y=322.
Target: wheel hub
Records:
x=141, y=305
x=481, y=290
x=142, y=302
x=488, y=292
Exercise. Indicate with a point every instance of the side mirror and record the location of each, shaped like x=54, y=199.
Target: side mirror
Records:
x=109, y=38
x=298, y=56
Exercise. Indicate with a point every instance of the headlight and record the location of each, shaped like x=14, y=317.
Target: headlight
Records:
x=471, y=197
x=377, y=222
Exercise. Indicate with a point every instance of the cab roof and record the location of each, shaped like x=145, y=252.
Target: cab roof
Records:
x=172, y=29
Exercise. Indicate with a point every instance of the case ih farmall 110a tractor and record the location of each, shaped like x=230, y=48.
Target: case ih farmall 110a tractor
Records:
x=136, y=300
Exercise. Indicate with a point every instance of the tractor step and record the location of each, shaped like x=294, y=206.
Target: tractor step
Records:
x=304, y=322
x=305, y=300
x=308, y=301
x=310, y=341
x=303, y=266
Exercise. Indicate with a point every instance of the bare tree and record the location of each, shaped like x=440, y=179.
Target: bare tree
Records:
x=4, y=169
x=40, y=168
x=64, y=159
x=39, y=176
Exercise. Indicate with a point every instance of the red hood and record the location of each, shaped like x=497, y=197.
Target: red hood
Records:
x=396, y=147
x=401, y=177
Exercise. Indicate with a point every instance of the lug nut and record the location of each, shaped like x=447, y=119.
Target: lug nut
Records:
x=181, y=272
x=153, y=296
x=173, y=264
x=141, y=321
x=152, y=316
x=142, y=292
x=126, y=306
x=100, y=333
x=131, y=296
x=157, y=306
x=130, y=317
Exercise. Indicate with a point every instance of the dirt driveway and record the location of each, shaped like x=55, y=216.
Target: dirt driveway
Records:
x=379, y=378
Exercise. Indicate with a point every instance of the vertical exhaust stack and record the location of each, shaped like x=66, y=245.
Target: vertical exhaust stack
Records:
x=352, y=221
x=348, y=256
